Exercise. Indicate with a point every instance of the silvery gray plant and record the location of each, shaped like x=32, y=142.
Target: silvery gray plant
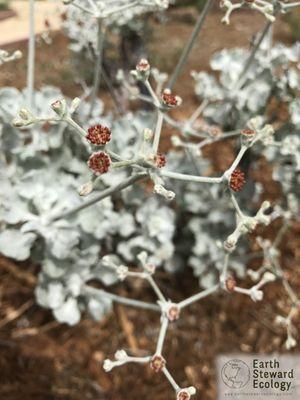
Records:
x=87, y=194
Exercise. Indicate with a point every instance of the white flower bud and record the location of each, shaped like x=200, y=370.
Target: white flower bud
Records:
x=121, y=355
x=59, y=107
x=86, y=189
x=290, y=342
x=167, y=194
x=108, y=365
x=148, y=134
x=25, y=114
x=122, y=272
x=256, y=294
x=75, y=104
x=269, y=277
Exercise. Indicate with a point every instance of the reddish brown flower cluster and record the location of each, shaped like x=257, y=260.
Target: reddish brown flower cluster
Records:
x=157, y=363
x=160, y=160
x=249, y=1
x=173, y=313
x=99, y=162
x=98, y=135
x=230, y=284
x=170, y=99
x=237, y=180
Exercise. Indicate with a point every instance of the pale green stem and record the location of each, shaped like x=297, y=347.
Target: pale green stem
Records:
x=157, y=133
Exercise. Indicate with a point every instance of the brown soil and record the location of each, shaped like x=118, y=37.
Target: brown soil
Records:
x=42, y=360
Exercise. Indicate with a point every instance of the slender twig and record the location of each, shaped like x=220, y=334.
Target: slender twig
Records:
x=190, y=178
x=162, y=335
x=199, y=110
x=189, y=45
x=155, y=288
x=98, y=65
x=31, y=56
x=198, y=296
x=236, y=205
x=157, y=133
x=119, y=299
x=251, y=57
x=105, y=193
x=290, y=5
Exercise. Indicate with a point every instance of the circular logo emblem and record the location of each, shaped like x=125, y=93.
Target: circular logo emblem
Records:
x=235, y=374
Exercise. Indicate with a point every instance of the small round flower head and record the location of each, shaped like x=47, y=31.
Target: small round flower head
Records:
x=108, y=365
x=148, y=134
x=170, y=100
x=59, y=107
x=99, y=162
x=143, y=66
x=160, y=160
x=256, y=294
x=290, y=342
x=186, y=393
x=237, y=180
x=150, y=268
x=142, y=71
x=230, y=244
x=157, y=363
x=248, y=133
x=215, y=130
x=173, y=312
x=230, y=284
x=98, y=135
x=86, y=189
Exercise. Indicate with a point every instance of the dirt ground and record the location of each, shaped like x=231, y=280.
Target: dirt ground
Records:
x=42, y=360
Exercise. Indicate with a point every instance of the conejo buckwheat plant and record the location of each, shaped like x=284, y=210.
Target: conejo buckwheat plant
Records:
x=94, y=197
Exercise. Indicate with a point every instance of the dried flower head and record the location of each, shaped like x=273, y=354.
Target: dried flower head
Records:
x=98, y=135
x=160, y=160
x=230, y=284
x=157, y=363
x=170, y=100
x=237, y=180
x=99, y=162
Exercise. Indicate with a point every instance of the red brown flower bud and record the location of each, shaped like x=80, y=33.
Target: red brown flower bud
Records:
x=237, y=180
x=143, y=66
x=98, y=135
x=157, y=363
x=173, y=313
x=160, y=160
x=183, y=395
x=170, y=99
x=230, y=284
x=248, y=132
x=99, y=162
